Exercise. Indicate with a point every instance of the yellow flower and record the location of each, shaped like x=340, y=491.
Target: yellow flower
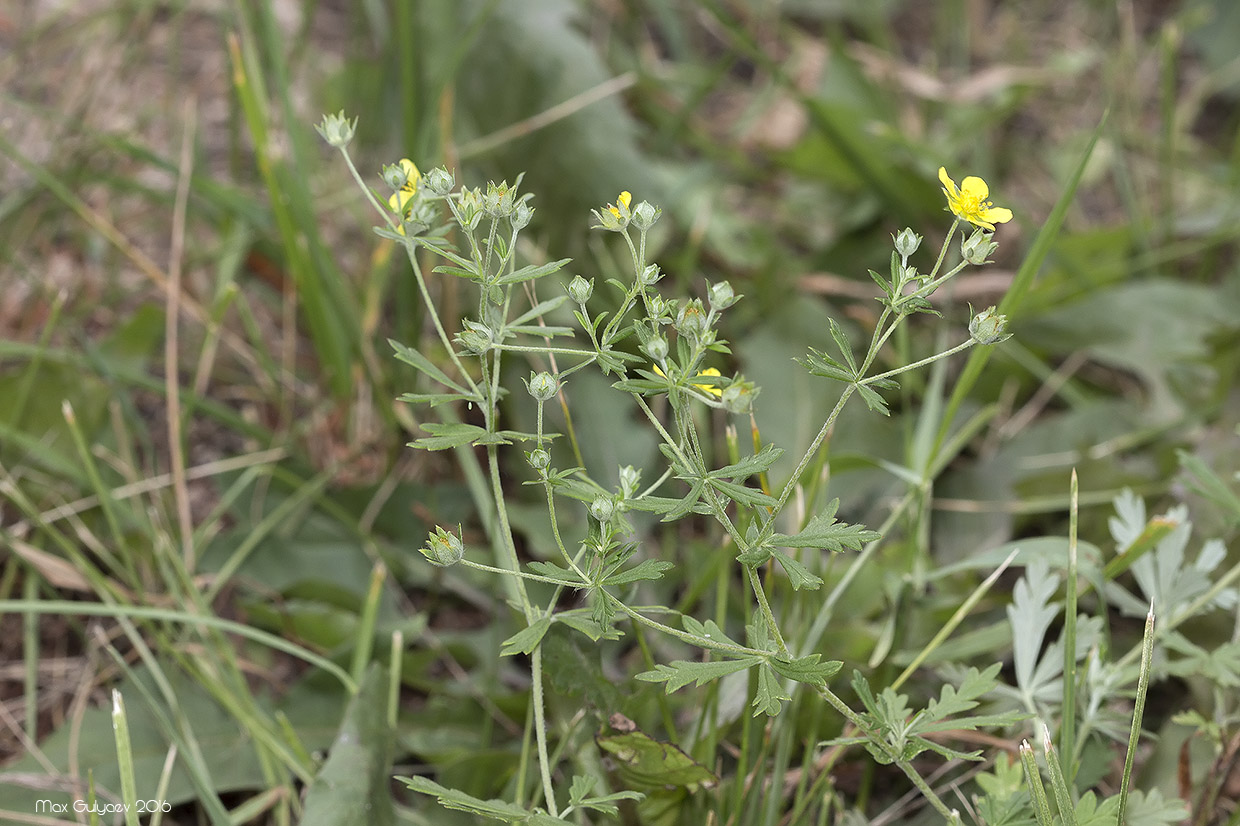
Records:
x=623, y=201
x=709, y=388
x=401, y=198
x=969, y=202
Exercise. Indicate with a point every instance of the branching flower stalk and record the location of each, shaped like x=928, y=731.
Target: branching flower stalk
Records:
x=650, y=345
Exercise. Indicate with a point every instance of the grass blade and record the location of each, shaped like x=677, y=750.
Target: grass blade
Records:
x=1138, y=711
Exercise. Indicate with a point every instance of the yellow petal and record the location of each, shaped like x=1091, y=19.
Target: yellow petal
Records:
x=997, y=215
x=948, y=183
x=974, y=188
x=412, y=175
x=624, y=199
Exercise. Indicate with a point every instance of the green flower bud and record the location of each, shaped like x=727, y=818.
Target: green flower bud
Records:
x=476, y=338
x=656, y=348
x=539, y=459
x=691, y=320
x=337, y=130
x=977, y=247
x=651, y=275
x=498, y=202
x=739, y=395
x=630, y=477
x=521, y=215
x=907, y=242
x=439, y=181
x=721, y=296
x=989, y=327
x=542, y=386
x=645, y=216
x=471, y=208
x=580, y=289
x=603, y=508
x=395, y=176
x=443, y=548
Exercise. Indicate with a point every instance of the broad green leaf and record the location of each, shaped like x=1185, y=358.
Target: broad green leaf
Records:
x=647, y=763
x=351, y=789
x=557, y=572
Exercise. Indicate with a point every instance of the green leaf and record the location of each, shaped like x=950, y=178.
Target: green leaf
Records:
x=708, y=629
x=771, y=695
x=420, y=362
x=493, y=809
x=444, y=436
x=825, y=533
x=820, y=364
x=582, y=619
x=650, y=569
x=527, y=639
x=351, y=789
x=647, y=763
x=556, y=572
x=606, y=804
x=841, y=341
x=436, y=399
x=958, y=699
x=743, y=495
x=680, y=673
x=807, y=669
x=531, y=272
x=872, y=400
x=798, y=574
x=758, y=463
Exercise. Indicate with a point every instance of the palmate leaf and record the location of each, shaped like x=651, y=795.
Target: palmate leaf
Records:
x=527, y=639
x=649, y=569
x=807, y=669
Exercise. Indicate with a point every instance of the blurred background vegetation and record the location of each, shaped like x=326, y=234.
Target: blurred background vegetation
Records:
x=197, y=408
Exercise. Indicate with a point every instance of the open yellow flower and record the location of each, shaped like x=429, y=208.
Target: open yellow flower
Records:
x=708, y=388
x=624, y=200
x=969, y=202
x=401, y=197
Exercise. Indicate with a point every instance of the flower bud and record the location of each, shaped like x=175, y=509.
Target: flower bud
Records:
x=977, y=247
x=721, y=296
x=651, y=275
x=539, y=459
x=580, y=289
x=443, y=548
x=602, y=508
x=630, y=477
x=470, y=208
x=989, y=327
x=439, y=181
x=475, y=338
x=656, y=348
x=907, y=242
x=542, y=386
x=691, y=321
x=498, y=202
x=739, y=395
x=521, y=215
x=645, y=216
x=337, y=130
